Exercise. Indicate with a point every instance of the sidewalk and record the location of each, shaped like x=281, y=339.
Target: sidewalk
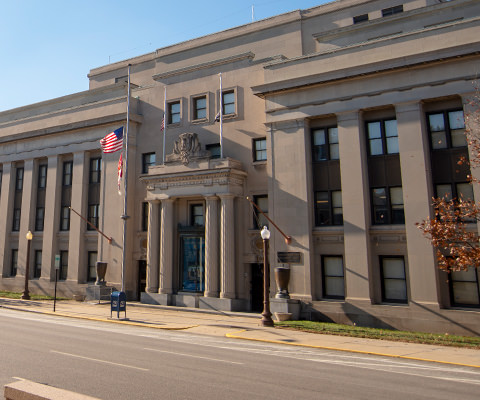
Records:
x=243, y=326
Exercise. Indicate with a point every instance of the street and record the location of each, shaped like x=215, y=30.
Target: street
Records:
x=113, y=361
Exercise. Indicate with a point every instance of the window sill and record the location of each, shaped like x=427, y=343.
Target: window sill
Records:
x=259, y=163
x=199, y=121
x=176, y=125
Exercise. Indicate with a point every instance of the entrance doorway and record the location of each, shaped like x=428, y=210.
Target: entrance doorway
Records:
x=256, y=287
x=142, y=278
x=192, y=263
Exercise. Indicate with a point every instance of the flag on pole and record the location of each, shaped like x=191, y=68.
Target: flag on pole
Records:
x=217, y=117
x=162, y=127
x=113, y=141
x=120, y=172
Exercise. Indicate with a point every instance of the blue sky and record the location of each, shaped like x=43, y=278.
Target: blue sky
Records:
x=48, y=47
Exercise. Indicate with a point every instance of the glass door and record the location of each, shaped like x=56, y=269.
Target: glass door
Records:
x=193, y=263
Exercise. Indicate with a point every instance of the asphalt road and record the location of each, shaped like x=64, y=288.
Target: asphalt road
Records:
x=112, y=361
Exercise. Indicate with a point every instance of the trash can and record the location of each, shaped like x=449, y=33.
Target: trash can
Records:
x=118, y=302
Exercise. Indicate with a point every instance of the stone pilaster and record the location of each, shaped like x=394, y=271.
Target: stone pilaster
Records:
x=356, y=205
x=52, y=220
x=77, y=267
x=6, y=209
x=166, y=247
x=417, y=193
x=211, y=247
x=28, y=200
x=153, y=266
x=227, y=247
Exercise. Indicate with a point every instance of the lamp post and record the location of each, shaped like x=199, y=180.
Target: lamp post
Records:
x=26, y=294
x=266, y=314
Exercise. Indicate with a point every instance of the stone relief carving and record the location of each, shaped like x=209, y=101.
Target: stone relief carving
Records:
x=186, y=148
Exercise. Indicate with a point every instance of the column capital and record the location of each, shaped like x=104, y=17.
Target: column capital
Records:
x=210, y=197
x=226, y=196
x=408, y=106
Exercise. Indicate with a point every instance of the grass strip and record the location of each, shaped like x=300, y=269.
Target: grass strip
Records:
x=382, y=334
x=15, y=295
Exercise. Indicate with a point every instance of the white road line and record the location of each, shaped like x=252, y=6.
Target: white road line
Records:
x=190, y=355
x=97, y=360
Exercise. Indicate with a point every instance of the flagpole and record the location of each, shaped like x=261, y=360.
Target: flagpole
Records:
x=124, y=216
x=164, y=121
x=221, y=117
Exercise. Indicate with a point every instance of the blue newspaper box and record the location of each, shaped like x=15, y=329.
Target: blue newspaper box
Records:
x=118, y=302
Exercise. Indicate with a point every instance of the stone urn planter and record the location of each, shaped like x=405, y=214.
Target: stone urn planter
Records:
x=282, y=277
x=101, y=269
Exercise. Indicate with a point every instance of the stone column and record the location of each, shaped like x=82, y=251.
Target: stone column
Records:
x=227, y=247
x=417, y=194
x=26, y=216
x=77, y=267
x=52, y=217
x=153, y=266
x=356, y=205
x=166, y=246
x=211, y=247
x=6, y=208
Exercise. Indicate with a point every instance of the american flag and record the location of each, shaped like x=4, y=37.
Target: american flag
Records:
x=113, y=141
x=163, y=124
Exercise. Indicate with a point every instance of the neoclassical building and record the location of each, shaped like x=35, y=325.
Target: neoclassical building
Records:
x=340, y=122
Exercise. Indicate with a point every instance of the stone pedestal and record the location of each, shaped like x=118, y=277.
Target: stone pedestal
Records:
x=156, y=298
x=290, y=306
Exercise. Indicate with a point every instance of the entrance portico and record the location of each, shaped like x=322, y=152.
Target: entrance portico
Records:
x=191, y=259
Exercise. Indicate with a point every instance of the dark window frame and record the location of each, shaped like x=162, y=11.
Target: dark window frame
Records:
x=19, y=176
x=194, y=214
x=63, y=272
x=147, y=161
x=328, y=145
x=67, y=175
x=145, y=212
x=93, y=216
x=258, y=152
x=259, y=220
x=65, y=218
x=360, y=18
x=91, y=277
x=216, y=153
x=451, y=283
x=390, y=220
x=39, y=219
x=383, y=137
x=14, y=262
x=329, y=209
x=448, y=129
x=174, y=116
x=226, y=105
x=17, y=215
x=95, y=170
x=325, y=295
x=37, y=264
x=42, y=176
x=385, y=299
x=386, y=12
x=199, y=113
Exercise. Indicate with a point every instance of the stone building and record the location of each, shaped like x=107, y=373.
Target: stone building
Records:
x=340, y=122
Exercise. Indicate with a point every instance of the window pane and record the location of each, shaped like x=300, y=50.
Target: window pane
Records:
x=393, y=268
x=333, y=135
x=456, y=120
x=444, y=191
x=374, y=130
x=437, y=123
x=464, y=191
x=376, y=147
x=380, y=210
x=464, y=276
x=320, y=145
x=322, y=207
x=200, y=105
x=459, y=138
x=392, y=136
x=319, y=138
x=395, y=289
x=439, y=140
x=334, y=287
x=333, y=266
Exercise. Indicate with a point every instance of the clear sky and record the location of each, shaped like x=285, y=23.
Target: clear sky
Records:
x=47, y=47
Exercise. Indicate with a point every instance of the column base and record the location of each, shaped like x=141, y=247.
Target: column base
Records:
x=222, y=304
x=156, y=298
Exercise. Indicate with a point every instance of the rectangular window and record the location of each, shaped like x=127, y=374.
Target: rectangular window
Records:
x=382, y=137
x=65, y=218
x=174, y=112
x=360, y=18
x=42, y=176
x=447, y=129
x=388, y=206
x=392, y=10
x=260, y=149
x=37, y=268
x=14, y=263
x=145, y=208
x=93, y=216
x=325, y=144
x=39, y=219
x=197, y=217
x=394, y=283
x=228, y=102
x=333, y=277
x=259, y=220
x=328, y=208
x=200, y=107
x=67, y=173
x=63, y=265
x=464, y=288
x=95, y=170
x=16, y=219
x=214, y=150
x=19, y=179
x=148, y=159
x=91, y=267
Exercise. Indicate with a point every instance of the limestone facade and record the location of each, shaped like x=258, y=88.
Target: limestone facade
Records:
x=340, y=121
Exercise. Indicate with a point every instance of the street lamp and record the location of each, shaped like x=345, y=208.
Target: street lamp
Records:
x=266, y=314
x=26, y=295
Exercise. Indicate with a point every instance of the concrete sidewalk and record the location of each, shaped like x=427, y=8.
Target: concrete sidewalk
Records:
x=243, y=326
